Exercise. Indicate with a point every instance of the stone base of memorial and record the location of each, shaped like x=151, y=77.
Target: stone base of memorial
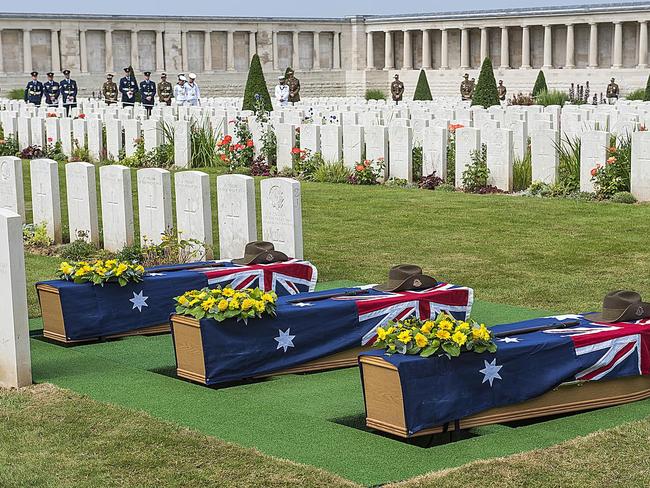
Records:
x=603, y=365
x=307, y=334
x=74, y=312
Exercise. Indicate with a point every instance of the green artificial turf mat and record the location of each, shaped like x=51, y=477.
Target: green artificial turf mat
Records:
x=315, y=419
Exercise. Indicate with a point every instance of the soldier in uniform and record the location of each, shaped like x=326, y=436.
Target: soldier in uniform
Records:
x=192, y=92
x=128, y=88
x=148, y=92
x=51, y=89
x=501, y=90
x=34, y=90
x=294, y=86
x=165, y=90
x=68, y=92
x=180, y=92
x=612, y=91
x=466, y=88
x=109, y=90
x=397, y=89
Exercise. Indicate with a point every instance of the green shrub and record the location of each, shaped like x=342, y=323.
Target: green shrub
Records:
x=80, y=153
x=446, y=187
x=35, y=235
x=9, y=146
x=486, y=94
x=399, y=183
x=331, y=173
x=422, y=90
x=16, y=94
x=646, y=97
x=256, y=88
x=623, y=197
x=416, y=158
x=638, y=94
x=540, y=84
x=375, y=94
x=522, y=172
x=78, y=250
x=569, y=165
x=613, y=176
x=553, y=97
x=132, y=254
x=476, y=173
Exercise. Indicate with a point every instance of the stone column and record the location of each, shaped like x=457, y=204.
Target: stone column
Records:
x=484, y=43
x=316, y=54
x=135, y=58
x=83, y=51
x=464, y=48
x=207, y=51
x=593, y=45
x=27, y=50
x=276, y=64
x=643, y=45
x=505, y=48
x=1, y=59
x=408, y=53
x=370, y=51
x=444, y=50
x=185, y=62
x=296, y=50
x=160, y=52
x=570, y=49
x=252, y=44
x=56, y=53
x=389, y=62
x=525, y=47
x=548, y=47
x=618, y=45
x=337, y=50
x=426, y=49
x=108, y=41
x=230, y=51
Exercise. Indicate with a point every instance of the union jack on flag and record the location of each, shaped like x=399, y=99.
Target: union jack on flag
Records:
x=285, y=278
x=381, y=307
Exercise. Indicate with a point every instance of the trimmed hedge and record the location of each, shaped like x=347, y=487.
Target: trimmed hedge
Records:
x=256, y=85
x=540, y=84
x=486, y=94
x=422, y=90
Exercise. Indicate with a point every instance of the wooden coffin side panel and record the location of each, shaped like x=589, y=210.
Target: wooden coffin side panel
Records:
x=52, y=313
x=190, y=361
x=567, y=398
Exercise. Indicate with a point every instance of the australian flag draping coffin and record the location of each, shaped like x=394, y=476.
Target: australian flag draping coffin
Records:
x=76, y=312
x=531, y=375
x=306, y=334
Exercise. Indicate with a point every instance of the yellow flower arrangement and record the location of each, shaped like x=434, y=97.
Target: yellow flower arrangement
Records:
x=99, y=272
x=445, y=335
x=221, y=304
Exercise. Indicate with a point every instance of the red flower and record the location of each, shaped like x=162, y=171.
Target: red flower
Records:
x=612, y=149
x=360, y=167
x=227, y=139
x=594, y=171
x=249, y=143
x=611, y=160
x=82, y=116
x=219, y=143
x=224, y=157
x=295, y=150
x=49, y=139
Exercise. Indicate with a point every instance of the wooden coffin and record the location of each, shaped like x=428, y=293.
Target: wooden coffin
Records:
x=385, y=405
x=54, y=325
x=190, y=361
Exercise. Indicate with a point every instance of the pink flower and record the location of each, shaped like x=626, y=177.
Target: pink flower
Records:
x=49, y=139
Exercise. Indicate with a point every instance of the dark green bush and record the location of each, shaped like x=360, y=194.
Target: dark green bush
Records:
x=256, y=88
x=422, y=90
x=486, y=94
x=540, y=84
x=646, y=98
x=16, y=94
x=638, y=94
x=375, y=94
x=623, y=197
x=78, y=250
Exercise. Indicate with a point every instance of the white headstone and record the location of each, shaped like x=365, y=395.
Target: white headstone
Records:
x=434, y=151
x=282, y=215
x=52, y=130
x=117, y=206
x=65, y=133
x=331, y=142
x=468, y=140
x=182, y=144
x=38, y=132
x=237, y=216
x=132, y=134
x=82, y=202
x=46, y=200
x=95, y=139
x=193, y=210
x=152, y=131
x=113, y=138
x=401, y=152
x=286, y=141
x=12, y=194
x=353, y=145
x=500, y=158
x=15, y=356
x=79, y=133
x=545, y=158
x=640, y=175
x=154, y=204
x=310, y=138
x=593, y=151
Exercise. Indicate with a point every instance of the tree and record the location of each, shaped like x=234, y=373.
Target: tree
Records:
x=486, y=94
x=646, y=97
x=256, y=87
x=422, y=90
x=540, y=84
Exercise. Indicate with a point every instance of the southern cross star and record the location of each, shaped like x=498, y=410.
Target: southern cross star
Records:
x=285, y=340
x=491, y=371
x=302, y=304
x=139, y=301
x=508, y=340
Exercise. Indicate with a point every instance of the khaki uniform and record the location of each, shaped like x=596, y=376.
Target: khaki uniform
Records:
x=612, y=90
x=294, y=89
x=501, y=91
x=109, y=92
x=397, y=90
x=466, y=90
x=165, y=91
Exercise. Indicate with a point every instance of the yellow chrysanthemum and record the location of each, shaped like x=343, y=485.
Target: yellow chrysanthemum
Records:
x=404, y=337
x=260, y=306
x=390, y=330
x=446, y=325
x=421, y=340
x=66, y=268
x=139, y=268
x=208, y=304
x=223, y=305
x=247, y=304
x=121, y=269
x=267, y=297
x=427, y=326
x=234, y=305
x=381, y=333
x=443, y=334
x=228, y=292
x=459, y=338
x=183, y=300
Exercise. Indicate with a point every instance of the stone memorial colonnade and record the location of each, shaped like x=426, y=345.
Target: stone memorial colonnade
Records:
x=340, y=56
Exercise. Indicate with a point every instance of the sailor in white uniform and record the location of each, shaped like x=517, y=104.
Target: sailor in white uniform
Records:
x=282, y=92
x=180, y=91
x=192, y=92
